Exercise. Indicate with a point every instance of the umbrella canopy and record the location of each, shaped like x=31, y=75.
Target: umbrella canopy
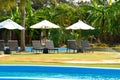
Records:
x=44, y=25
x=9, y=24
x=80, y=25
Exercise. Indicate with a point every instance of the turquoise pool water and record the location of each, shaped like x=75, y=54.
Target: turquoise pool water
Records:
x=27, y=72
x=28, y=49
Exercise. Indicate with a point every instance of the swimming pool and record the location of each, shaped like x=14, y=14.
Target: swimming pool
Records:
x=28, y=49
x=35, y=72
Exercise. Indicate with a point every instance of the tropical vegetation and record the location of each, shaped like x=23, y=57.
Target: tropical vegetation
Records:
x=102, y=14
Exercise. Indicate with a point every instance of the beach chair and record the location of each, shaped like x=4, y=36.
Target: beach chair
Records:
x=85, y=46
x=2, y=45
x=50, y=46
x=72, y=45
x=13, y=45
x=36, y=46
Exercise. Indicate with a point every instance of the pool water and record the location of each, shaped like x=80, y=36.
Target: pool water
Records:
x=28, y=49
x=55, y=76
x=57, y=73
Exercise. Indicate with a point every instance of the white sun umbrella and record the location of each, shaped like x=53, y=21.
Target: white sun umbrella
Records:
x=44, y=25
x=9, y=24
x=80, y=25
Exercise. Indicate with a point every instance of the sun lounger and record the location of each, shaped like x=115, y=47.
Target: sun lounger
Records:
x=13, y=45
x=72, y=45
x=36, y=46
x=50, y=46
x=85, y=46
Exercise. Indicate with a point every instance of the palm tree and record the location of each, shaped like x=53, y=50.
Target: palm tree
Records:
x=22, y=9
x=7, y=5
x=103, y=15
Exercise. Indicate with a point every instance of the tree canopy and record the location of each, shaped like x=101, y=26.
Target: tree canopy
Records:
x=101, y=14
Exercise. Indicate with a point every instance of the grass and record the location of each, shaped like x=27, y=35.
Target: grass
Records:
x=58, y=59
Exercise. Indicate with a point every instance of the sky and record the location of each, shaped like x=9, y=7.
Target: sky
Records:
x=87, y=0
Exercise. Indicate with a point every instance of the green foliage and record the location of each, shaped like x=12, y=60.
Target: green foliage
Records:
x=104, y=16
x=55, y=36
x=7, y=5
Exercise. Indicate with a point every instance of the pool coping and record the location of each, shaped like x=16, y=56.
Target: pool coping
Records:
x=57, y=66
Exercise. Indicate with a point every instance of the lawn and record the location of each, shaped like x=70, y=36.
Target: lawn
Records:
x=97, y=59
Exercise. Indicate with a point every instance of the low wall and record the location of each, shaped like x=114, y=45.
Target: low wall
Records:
x=106, y=49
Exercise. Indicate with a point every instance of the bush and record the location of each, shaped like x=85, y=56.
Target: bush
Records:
x=102, y=45
x=117, y=46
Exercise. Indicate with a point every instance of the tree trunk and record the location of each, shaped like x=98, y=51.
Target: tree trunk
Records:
x=23, y=31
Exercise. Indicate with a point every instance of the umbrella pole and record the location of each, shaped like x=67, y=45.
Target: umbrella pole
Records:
x=10, y=35
x=79, y=38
